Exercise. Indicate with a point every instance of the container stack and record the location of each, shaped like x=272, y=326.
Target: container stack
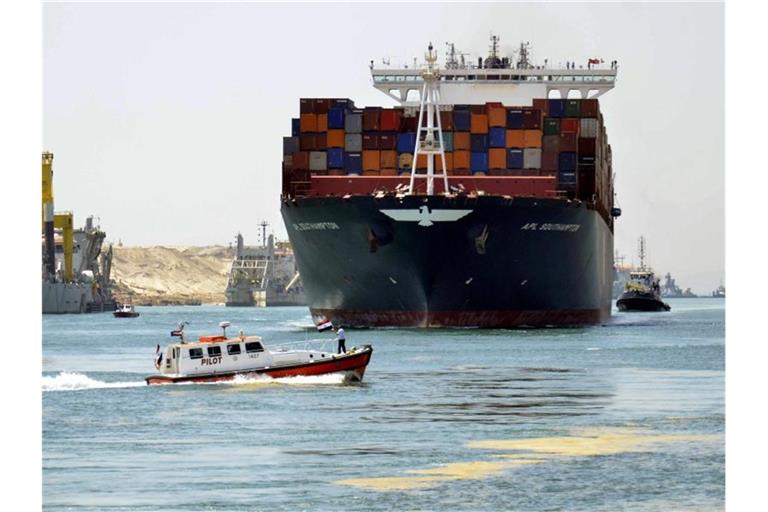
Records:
x=564, y=138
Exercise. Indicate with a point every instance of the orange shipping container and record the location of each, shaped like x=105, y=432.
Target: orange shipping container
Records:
x=421, y=162
x=322, y=122
x=497, y=116
x=532, y=138
x=515, y=139
x=461, y=141
x=308, y=123
x=497, y=158
x=372, y=172
x=371, y=160
x=389, y=172
x=388, y=159
x=479, y=123
x=448, y=163
x=446, y=120
x=569, y=125
x=335, y=138
x=541, y=104
x=461, y=160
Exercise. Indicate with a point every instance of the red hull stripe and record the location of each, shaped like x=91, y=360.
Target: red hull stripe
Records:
x=353, y=363
x=487, y=319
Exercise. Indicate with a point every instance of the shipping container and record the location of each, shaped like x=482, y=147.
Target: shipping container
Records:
x=446, y=120
x=335, y=158
x=497, y=158
x=556, y=107
x=478, y=162
x=567, y=162
x=462, y=120
x=549, y=161
x=479, y=123
x=569, y=125
x=588, y=128
x=336, y=118
x=306, y=106
x=307, y=142
x=448, y=163
x=388, y=141
x=532, y=119
x=406, y=142
x=497, y=117
x=353, y=163
x=290, y=145
x=541, y=104
x=462, y=141
x=478, y=143
x=371, y=160
x=301, y=161
x=295, y=127
x=552, y=126
x=421, y=162
x=569, y=142
x=551, y=143
x=572, y=108
x=459, y=106
x=514, y=119
x=321, y=141
x=532, y=138
x=370, y=141
x=389, y=119
x=371, y=119
x=497, y=137
x=514, y=158
x=461, y=160
x=343, y=103
x=353, y=142
x=308, y=123
x=532, y=158
x=321, y=105
x=322, y=123
x=388, y=159
x=568, y=177
x=408, y=124
x=515, y=139
x=335, y=138
x=318, y=161
x=447, y=141
x=589, y=107
x=586, y=147
x=478, y=109
x=353, y=122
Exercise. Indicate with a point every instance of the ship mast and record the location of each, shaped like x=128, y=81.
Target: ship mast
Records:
x=428, y=142
x=641, y=251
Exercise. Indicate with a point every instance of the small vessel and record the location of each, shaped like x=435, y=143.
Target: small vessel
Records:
x=642, y=292
x=218, y=358
x=126, y=311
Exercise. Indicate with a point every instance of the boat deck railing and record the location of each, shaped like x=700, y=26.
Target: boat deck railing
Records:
x=318, y=344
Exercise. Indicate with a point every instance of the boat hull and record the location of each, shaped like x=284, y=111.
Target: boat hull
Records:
x=352, y=365
x=507, y=262
x=641, y=302
x=119, y=314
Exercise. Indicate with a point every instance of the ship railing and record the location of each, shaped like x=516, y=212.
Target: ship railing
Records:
x=316, y=344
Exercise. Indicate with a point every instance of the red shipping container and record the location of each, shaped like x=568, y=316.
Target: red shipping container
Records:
x=321, y=105
x=388, y=159
x=497, y=116
x=386, y=141
x=322, y=122
x=479, y=123
x=321, y=141
x=477, y=109
x=532, y=119
x=307, y=142
x=461, y=160
x=371, y=119
x=371, y=160
x=301, y=161
x=408, y=124
x=308, y=123
x=306, y=106
x=589, y=107
x=568, y=143
x=370, y=141
x=541, y=104
x=497, y=158
x=586, y=147
x=461, y=141
x=549, y=161
x=389, y=119
x=335, y=138
x=446, y=120
x=569, y=125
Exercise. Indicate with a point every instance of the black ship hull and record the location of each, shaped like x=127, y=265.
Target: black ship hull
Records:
x=638, y=301
x=506, y=262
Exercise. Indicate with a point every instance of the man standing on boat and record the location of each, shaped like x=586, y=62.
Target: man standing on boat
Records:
x=342, y=339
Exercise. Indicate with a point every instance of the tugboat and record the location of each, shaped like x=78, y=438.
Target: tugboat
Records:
x=642, y=292
x=125, y=311
x=218, y=358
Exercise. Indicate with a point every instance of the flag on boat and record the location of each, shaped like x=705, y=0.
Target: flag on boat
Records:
x=176, y=332
x=158, y=357
x=324, y=325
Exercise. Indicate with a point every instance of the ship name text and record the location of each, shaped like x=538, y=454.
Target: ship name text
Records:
x=315, y=226
x=535, y=226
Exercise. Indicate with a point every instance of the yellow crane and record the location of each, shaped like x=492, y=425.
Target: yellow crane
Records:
x=63, y=221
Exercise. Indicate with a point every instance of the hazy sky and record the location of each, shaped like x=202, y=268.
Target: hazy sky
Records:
x=167, y=120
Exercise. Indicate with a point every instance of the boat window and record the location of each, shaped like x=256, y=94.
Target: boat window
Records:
x=195, y=353
x=254, y=346
x=233, y=349
x=214, y=351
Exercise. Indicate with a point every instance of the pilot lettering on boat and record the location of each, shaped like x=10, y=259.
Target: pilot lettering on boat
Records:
x=210, y=360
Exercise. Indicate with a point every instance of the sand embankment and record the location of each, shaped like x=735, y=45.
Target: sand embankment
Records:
x=171, y=275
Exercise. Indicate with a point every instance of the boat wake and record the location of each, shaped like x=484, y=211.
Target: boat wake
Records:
x=66, y=381
x=330, y=379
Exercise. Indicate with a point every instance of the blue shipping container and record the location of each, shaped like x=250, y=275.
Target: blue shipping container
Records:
x=462, y=120
x=295, y=127
x=336, y=118
x=353, y=163
x=515, y=119
x=497, y=137
x=566, y=177
x=448, y=141
x=406, y=142
x=478, y=162
x=567, y=162
x=335, y=158
x=556, y=108
x=515, y=159
x=478, y=143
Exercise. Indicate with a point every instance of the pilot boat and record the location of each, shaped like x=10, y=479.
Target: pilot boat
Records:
x=219, y=358
x=126, y=311
x=642, y=293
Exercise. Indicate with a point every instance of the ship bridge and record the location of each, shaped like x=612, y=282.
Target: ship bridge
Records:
x=497, y=80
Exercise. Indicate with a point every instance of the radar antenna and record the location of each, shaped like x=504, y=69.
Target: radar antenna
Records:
x=523, y=61
x=428, y=142
x=493, y=60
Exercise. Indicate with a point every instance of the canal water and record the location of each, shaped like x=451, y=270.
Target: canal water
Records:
x=625, y=416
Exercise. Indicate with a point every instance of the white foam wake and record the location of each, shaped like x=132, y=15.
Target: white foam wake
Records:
x=299, y=380
x=66, y=381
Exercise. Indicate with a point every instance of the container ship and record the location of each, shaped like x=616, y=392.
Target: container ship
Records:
x=484, y=199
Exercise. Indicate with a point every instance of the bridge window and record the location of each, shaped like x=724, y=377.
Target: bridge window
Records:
x=254, y=346
x=233, y=349
x=214, y=351
x=195, y=353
